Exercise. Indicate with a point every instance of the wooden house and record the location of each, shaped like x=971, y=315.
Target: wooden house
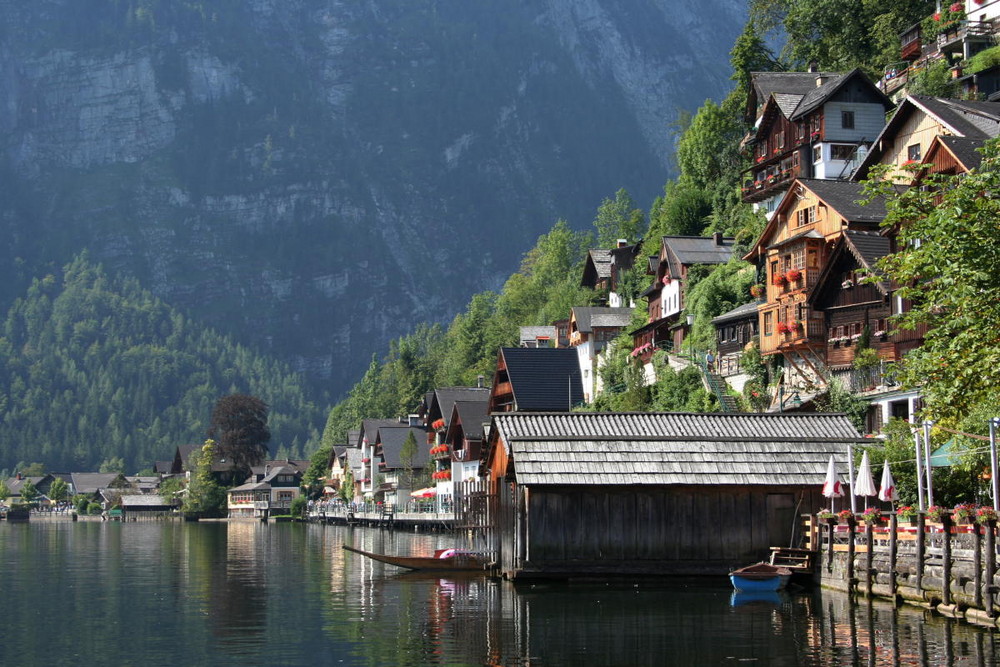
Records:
x=652, y=493
x=590, y=331
x=665, y=328
x=849, y=303
x=269, y=490
x=535, y=380
x=794, y=249
x=918, y=121
x=464, y=438
x=543, y=336
x=400, y=471
x=807, y=125
x=367, y=437
x=42, y=484
x=734, y=330
x=603, y=270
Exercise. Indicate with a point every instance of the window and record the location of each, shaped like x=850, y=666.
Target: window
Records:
x=800, y=131
x=805, y=216
x=798, y=258
x=913, y=152
x=847, y=120
x=817, y=153
x=841, y=151
x=768, y=323
x=813, y=255
x=781, y=140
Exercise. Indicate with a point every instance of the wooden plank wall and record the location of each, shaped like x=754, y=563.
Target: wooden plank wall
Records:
x=698, y=529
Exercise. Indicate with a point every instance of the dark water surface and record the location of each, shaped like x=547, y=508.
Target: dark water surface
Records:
x=287, y=594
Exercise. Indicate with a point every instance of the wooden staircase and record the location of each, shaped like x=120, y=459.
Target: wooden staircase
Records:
x=797, y=560
x=716, y=384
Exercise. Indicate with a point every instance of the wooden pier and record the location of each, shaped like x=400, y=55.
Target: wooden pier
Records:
x=385, y=517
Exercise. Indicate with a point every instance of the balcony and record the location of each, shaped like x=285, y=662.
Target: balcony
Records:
x=806, y=281
x=966, y=31
x=766, y=187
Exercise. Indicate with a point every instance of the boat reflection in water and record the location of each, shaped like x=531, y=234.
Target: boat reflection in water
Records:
x=740, y=598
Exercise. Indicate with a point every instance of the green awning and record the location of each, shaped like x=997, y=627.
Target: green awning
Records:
x=946, y=455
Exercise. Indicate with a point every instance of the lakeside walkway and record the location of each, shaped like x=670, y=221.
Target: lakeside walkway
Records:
x=383, y=517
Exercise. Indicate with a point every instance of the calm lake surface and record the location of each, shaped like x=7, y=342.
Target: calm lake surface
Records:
x=287, y=594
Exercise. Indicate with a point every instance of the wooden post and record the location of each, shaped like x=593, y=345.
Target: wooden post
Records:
x=829, y=548
x=991, y=564
x=851, y=579
x=977, y=566
x=946, y=562
x=921, y=546
x=893, y=552
x=869, y=537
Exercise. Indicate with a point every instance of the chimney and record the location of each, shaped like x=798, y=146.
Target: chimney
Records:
x=813, y=67
x=717, y=237
x=622, y=243
x=479, y=381
x=414, y=420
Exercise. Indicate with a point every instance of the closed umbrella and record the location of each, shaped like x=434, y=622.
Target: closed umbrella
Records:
x=832, y=488
x=429, y=492
x=865, y=484
x=887, y=492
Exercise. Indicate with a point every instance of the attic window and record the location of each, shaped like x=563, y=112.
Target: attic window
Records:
x=847, y=120
x=913, y=152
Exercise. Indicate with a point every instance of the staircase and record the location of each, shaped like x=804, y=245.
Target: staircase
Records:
x=716, y=384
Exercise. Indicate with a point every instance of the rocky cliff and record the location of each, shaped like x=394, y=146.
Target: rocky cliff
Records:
x=315, y=176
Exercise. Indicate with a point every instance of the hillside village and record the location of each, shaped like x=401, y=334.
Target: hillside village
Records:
x=819, y=311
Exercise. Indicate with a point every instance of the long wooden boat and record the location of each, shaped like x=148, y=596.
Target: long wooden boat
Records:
x=457, y=561
x=760, y=577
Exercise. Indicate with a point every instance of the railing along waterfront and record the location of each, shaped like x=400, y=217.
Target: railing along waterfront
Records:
x=949, y=565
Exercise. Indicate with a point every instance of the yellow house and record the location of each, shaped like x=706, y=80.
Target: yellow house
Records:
x=918, y=120
x=792, y=251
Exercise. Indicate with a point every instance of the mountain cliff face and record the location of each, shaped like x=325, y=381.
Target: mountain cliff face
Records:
x=314, y=177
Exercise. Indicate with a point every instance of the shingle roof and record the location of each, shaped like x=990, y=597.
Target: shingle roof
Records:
x=867, y=247
x=474, y=416
x=699, y=249
x=544, y=378
x=965, y=150
x=392, y=439
x=737, y=313
x=843, y=196
x=673, y=448
x=91, y=482
x=589, y=317
x=370, y=427
x=445, y=398
x=148, y=500
x=602, y=262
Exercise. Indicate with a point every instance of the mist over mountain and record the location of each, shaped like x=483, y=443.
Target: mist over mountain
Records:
x=313, y=178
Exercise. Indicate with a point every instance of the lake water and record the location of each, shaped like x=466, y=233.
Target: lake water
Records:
x=287, y=594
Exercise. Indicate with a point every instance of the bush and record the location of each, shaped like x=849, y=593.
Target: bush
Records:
x=94, y=509
x=298, y=508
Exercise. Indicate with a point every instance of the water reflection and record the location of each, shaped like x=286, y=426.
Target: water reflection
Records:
x=239, y=593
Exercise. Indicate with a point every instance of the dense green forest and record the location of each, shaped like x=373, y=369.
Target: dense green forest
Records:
x=94, y=369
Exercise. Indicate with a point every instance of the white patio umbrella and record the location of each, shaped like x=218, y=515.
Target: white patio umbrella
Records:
x=832, y=488
x=887, y=490
x=864, y=485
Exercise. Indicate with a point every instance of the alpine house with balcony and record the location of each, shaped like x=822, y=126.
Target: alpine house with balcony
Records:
x=813, y=125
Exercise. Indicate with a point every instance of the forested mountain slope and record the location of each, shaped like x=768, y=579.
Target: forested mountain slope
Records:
x=94, y=368
x=314, y=178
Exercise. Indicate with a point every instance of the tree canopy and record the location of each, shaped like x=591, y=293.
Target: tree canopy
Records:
x=239, y=425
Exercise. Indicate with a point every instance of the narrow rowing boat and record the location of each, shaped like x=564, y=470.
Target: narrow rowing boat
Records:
x=760, y=577
x=456, y=561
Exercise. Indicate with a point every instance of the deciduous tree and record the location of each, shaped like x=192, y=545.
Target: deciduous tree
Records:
x=239, y=425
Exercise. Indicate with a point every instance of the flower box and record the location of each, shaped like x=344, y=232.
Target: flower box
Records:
x=756, y=291
x=793, y=274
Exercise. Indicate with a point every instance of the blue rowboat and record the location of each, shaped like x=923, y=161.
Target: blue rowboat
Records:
x=760, y=577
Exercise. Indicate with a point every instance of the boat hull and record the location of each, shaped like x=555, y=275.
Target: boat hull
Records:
x=760, y=577
x=457, y=563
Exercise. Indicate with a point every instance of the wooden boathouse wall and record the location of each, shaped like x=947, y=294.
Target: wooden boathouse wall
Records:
x=569, y=531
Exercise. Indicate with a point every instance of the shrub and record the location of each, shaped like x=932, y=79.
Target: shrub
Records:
x=94, y=509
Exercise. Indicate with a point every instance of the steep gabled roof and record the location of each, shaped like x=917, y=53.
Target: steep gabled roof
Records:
x=370, y=427
x=91, y=482
x=444, y=399
x=589, y=317
x=672, y=448
x=965, y=150
x=690, y=250
x=797, y=93
x=474, y=416
x=393, y=438
x=597, y=267
x=843, y=197
x=743, y=312
x=960, y=118
x=865, y=248
x=543, y=378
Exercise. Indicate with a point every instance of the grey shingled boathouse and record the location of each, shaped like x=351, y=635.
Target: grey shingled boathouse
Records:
x=652, y=493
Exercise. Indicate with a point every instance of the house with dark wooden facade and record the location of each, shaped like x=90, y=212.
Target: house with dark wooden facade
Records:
x=603, y=270
x=665, y=329
x=578, y=494
x=812, y=125
x=734, y=330
x=535, y=380
x=398, y=470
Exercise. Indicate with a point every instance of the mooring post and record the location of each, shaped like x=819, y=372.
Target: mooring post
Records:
x=829, y=547
x=991, y=564
x=946, y=562
x=921, y=546
x=870, y=538
x=851, y=534
x=977, y=566
x=893, y=552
